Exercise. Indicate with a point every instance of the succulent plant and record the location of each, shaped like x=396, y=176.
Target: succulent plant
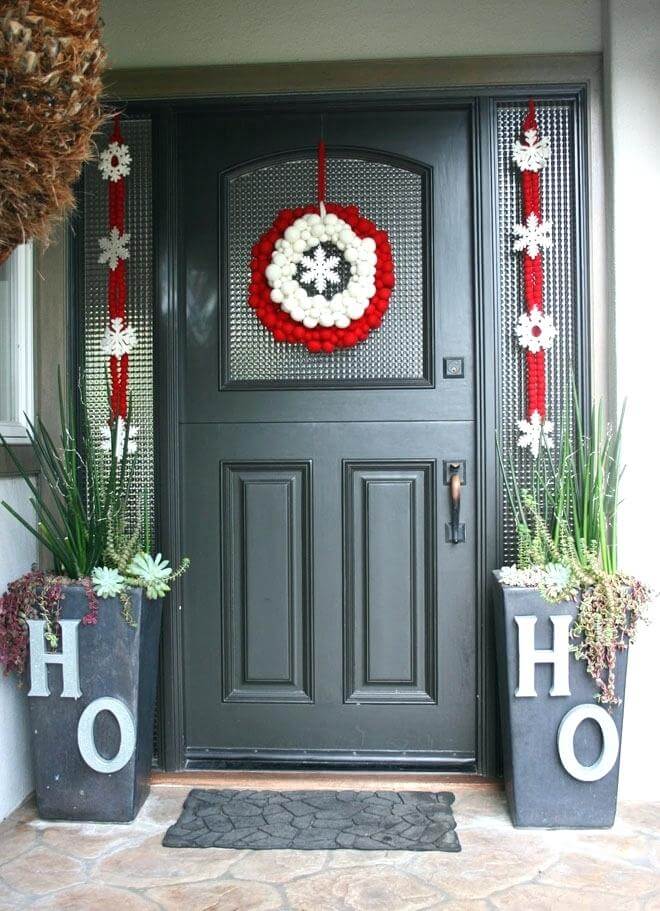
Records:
x=151, y=573
x=107, y=582
x=557, y=582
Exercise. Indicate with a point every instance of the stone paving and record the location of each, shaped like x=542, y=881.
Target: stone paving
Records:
x=46, y=865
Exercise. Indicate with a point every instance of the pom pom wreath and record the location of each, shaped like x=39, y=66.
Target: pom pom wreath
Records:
x=297, y=316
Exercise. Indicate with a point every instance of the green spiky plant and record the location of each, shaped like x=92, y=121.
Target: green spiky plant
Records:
x=80, y=509
x=573, y=494
x=79, y=500
x=567, y=517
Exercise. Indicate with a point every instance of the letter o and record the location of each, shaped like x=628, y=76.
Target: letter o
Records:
x=127, y=735
x=566, y=745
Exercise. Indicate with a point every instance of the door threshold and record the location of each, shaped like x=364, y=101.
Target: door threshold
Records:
x=265, y=780
x=207, y=759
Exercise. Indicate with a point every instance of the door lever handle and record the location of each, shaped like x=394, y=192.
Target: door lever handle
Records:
x=457, y=534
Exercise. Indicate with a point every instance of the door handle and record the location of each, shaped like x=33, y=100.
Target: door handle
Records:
x=456, y=530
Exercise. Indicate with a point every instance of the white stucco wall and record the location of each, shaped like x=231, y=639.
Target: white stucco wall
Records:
x=204, y=32
x=18, y=552
x=633, y=136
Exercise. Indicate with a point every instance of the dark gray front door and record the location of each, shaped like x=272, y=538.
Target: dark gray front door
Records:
x=326, y=616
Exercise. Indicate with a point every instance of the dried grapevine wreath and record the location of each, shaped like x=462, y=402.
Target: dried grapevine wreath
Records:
x=51, y=59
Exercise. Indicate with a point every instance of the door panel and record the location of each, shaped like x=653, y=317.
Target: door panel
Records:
x=431, y=712
x=217, y=148
x=389, y=581
x=325, y=614
x=266, y=567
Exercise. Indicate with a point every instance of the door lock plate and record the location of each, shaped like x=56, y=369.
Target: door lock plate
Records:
x=453, y=368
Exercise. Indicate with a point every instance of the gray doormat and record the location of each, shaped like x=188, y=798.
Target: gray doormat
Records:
x=316, y=820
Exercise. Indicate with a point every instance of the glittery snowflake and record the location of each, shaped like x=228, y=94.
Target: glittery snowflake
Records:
x=106, y=438
x=534, y=432
x=533, y=154
x=320, y=269
x=113, y=248
x=118, y=339
x=533, y=235
x=535, y=330
x=115, y=162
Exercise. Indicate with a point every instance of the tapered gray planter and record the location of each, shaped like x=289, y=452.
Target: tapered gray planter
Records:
x=541, y=791
x=116, y=662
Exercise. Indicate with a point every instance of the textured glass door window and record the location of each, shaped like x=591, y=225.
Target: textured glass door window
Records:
x=94, y=301
x=392, y=193
x=16, y=342
x=558, y=181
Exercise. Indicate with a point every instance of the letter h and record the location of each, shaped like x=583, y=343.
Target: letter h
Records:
x=68, y=658
x=529, y=656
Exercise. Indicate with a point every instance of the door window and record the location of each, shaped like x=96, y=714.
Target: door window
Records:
x=392, y=193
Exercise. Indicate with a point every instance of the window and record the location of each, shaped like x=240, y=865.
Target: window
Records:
x=16, y=365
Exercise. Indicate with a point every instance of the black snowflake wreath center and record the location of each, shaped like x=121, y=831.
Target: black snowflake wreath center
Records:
x=324, y=271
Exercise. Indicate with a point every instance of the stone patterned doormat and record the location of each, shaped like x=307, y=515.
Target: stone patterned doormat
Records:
x=316, y=820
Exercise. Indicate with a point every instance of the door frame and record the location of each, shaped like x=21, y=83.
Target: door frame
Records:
x=481, y=101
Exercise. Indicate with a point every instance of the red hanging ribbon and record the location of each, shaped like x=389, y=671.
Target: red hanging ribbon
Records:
x=320, y=173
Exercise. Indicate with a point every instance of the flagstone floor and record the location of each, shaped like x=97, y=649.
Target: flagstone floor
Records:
x=82, y=866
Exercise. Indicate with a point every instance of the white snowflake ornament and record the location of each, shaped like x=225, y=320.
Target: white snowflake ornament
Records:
x=533, y=235
x=131, y=445
x=113, y=248
x=533, y=154
x=320, y=269
x=534, y=431
x=118, y=339
x=535, y=330
x=115, y=162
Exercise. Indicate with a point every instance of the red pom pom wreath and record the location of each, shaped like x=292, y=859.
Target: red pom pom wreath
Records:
x=305, y=251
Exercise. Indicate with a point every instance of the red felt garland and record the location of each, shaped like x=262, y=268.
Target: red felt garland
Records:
x=533, y=277
x=320, y=339
x=117, y=288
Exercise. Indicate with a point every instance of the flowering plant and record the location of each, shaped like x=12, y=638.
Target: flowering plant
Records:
x=82, y=522
x=566, y=524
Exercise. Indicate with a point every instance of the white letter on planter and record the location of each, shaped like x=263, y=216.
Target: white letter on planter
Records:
x=68, y=658
x=127, y=737
x=565, y=742
x=529, y=656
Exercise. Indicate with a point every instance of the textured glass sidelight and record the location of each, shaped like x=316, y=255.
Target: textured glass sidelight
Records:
x=393, y=197
x=94, y=304
x=556, y=121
